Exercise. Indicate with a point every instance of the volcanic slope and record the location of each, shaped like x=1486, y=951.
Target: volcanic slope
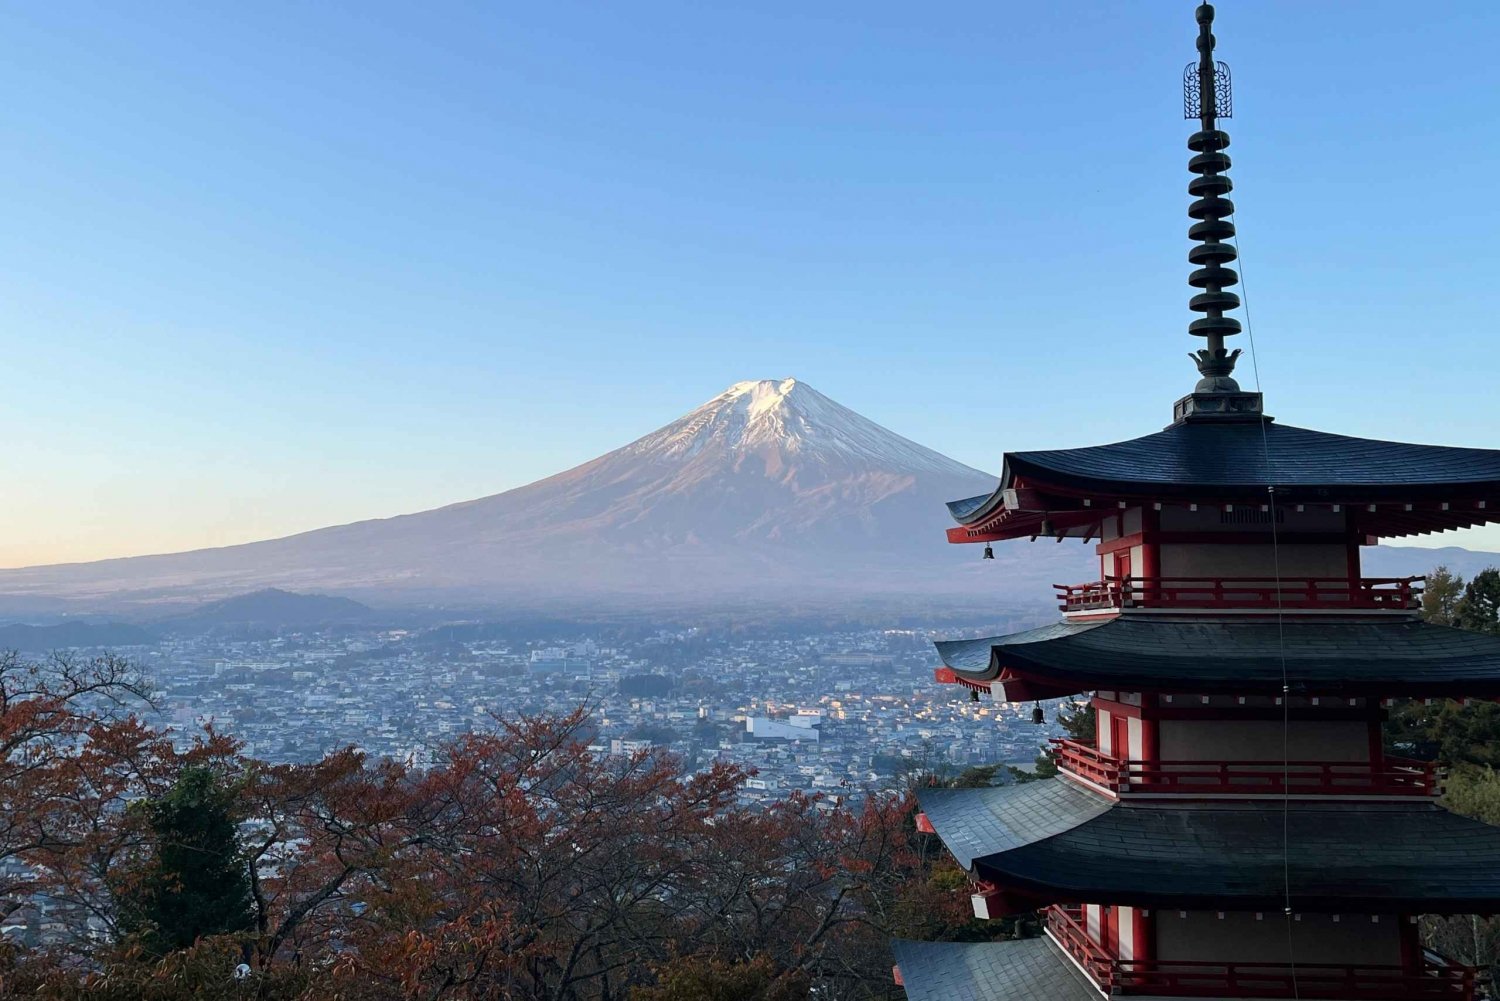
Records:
x=770, y=493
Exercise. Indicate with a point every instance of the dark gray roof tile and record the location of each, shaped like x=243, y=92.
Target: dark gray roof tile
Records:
x=1385, y=658
x=974, y=822
x=1247, y=456
x=1354, y=856
x=1026, y=970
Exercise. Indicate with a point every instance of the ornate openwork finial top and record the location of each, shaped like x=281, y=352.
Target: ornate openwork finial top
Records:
x=1206, y=97
x=1205, y=84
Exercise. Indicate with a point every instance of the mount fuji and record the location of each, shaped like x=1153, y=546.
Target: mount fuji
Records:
x=768, y=494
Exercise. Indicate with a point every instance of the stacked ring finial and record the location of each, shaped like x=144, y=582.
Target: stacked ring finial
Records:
x=1211, y=209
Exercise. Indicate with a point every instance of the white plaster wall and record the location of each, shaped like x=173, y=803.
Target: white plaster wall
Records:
x=1105, y=731
x=1261, y=740
x=1093, y=922
x=1137, y=738
x=1125, y=920
x=1132, y=520
x=1239, y=938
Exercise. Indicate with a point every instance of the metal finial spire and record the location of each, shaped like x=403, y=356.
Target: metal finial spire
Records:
x=1206, y=97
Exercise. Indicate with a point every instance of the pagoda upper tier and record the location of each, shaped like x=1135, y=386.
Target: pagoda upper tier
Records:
x=1386, y=489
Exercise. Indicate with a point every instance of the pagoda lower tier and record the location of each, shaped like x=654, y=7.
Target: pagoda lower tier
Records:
x=1374, y=957
x=1203, y=899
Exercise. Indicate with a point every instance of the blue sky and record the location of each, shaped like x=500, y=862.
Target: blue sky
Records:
x=267, y=267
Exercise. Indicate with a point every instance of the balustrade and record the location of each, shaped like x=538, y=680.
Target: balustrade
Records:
x=1268, y=593
x=1390, y=776
x=1435, y=978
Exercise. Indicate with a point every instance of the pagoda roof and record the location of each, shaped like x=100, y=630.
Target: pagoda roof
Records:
x=978, y=822
x=1345, y=856
x=1022, y=970
x=1236, y=461
x=1368, y=656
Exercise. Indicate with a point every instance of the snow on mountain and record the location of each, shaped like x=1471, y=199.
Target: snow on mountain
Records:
x=791, y=416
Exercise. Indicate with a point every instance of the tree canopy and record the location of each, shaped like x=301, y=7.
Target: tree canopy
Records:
x=519, y=865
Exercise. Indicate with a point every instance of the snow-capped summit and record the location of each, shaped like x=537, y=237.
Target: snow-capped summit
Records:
x=797, y=420
x=768, y=493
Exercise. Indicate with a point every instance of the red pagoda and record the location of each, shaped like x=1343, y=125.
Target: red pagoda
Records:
x=1236, y=830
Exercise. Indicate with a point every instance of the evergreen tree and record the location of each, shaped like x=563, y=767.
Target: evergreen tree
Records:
x=1479, y=608
x=1457, y=734
x=1440, y=596
x=196, y=883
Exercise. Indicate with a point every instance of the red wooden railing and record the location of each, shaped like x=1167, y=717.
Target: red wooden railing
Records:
x=1066, y=926
x=1437, y=977
x=1401, y=593
x=1389, y=777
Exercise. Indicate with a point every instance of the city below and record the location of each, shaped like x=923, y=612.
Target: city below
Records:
x=832, y=713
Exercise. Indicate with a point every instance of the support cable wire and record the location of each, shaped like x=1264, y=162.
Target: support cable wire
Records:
x=1286, y=696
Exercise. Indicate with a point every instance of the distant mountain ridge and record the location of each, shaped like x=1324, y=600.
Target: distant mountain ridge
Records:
x=768, y=495
x=270, y=607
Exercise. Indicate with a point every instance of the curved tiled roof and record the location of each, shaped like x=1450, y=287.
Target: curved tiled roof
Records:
x=1236, y=459
x=1384, y=658
x=1341, y=855
x=1361, y=857
x=1027, y=970
x=976, y=822
x=1254, y=454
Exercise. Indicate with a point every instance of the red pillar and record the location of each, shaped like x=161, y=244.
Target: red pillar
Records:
x=1150, y=548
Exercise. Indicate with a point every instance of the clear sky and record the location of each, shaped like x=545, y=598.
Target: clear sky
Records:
x=272, y=266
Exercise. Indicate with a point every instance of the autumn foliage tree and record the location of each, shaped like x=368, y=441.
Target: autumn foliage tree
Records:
x=520, y=866
x=72, y=754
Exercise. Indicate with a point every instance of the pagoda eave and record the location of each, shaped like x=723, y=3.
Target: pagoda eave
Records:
x=1054, y=841
x=1389, y=489
x=1368, y=512
x=1380, y=659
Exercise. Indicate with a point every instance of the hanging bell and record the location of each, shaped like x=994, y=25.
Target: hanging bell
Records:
x=1037, y=715
x=989, y=551
x=973, y=695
